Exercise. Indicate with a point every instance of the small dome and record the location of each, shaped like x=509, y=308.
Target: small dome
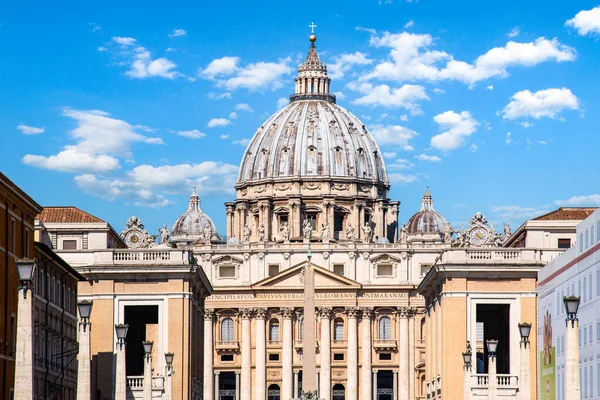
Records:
x=427, y=220
x=190, y=226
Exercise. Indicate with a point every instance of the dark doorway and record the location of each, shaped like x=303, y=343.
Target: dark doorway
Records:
x=385, y=385
x=227, y=386
x=137, y=317
x=339, y=392
x=273, y=392
x=495, y=319
x=299, y=384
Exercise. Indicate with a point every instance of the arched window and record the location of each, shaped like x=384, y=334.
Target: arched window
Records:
x=339, y=392
x=273, y=392
x=338, y=329
x=385, y=328
x=274, y=330
x=227, y=330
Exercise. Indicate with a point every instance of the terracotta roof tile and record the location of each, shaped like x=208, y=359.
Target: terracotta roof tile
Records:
x=66, y=215
x=567, y=213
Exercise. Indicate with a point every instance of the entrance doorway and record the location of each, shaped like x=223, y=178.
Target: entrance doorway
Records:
x=227, y=386
x=138, y=318
x=339, y=392
x=385, y=385
x=493, y=323
x=273, y=392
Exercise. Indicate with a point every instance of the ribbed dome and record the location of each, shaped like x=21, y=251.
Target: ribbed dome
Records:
x=427, y=220
x=312, y=139
x=190, y=226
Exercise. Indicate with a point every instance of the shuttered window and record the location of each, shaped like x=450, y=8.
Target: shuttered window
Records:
x=227, y=330
x=385, y=328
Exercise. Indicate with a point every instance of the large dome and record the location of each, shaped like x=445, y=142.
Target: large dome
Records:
x=192, y=225
x=427, y=220
x=311, y=138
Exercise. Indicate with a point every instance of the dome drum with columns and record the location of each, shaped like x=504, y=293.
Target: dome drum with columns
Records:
x=312, y=160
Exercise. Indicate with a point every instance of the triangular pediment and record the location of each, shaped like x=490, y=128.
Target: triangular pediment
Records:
x=293, y=278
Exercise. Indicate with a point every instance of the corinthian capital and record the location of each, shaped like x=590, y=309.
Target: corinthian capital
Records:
x=353, y=312
x=209, y=314
x=324, y=312
x=287, y=312
x=246, y=313
x=261, y=313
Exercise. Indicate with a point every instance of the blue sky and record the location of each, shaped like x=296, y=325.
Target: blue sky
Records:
x=119, y=108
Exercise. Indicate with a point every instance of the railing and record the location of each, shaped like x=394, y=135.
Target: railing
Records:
x=273, y=343
x=136, y=383
x=502, y=380
x=228, y=345
x=384, y=344
x=524, y=255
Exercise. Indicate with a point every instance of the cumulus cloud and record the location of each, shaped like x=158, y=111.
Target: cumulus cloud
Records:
x=218, y=96
x=402, y=178
x=544, y=103
x=70, y=160
x=228, y=73
x=457, y=128
x=514, y=32
x=425, y=157
x=216, y=122
x=490, y=87
x=406, y=97
x=339, y=95
x=242, y=142
x=393, y=135
x=243, y=107
x=411, y=57
x=401, y=164
x=282, y=102
x=140, y=61
x=177, y=33
x=192, y=134
x=591, y=200
x=30, y=130
x=586, y=22
x=344, y=63
x=123, y=41
x=512, y=213
x=389, y=154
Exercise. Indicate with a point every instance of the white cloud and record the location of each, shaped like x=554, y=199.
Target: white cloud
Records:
x=514, y=32
x=411, y=58
x=517, y=213
x=339, y=95
x=177, y=32
x=218, y=96
x=192, y=134
x=344, y=63
x=459, y=127
x=224, y=136
x=282, y=102
x=409, y=24
x=233, y=115
x=389, y=154
x=71, y=160
x=490, y=87
x=438, y=90
x=393, y=135
x=243, y=107
x=508, y=138
x=227, y=73
x=526, y=124
x=544, y=103
x=141, y=64
x=586, y=22
x=123, y=41
x=402, y=178
x=30, y=130
x=425, y=157
x=592, y=200
x=172, y=176
x=401, y=164
x=403, y=117
x=242, y=142
x=215, y=122
x=369, y=30
x=542, y=142
x=102, y=49
x=406, y=97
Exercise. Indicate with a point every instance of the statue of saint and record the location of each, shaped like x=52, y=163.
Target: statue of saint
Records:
x=207, y=234
x=403, y=233
x=350, y=233
x=368, y=233
x=448, y=231
x=326, y=233
x=261, y=232
x=164, y=234
x=286, y=232
x=307, y=230
x=507, y=231
x=247, y=233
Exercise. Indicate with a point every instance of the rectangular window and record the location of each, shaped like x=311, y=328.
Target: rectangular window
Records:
x=585, y=388
x=273, y=356
x=13, y=233
x=598, y=283
x=562, y=343
x=562, y=296
x=579, y=288
x=564, y=243
x=385, y=356
x=590, y=288
x=584, y=289
x=273, y=269
x=227, y=271
x=598, y=239
x=69, y=244
x=227, y=357
x=557, y=303
x=591, y=333
x=587, y=239
x=425, y=269
x=384, y=270
x=579, y=333
x=338, y=356
x=584, y=335
x=581, y=242
x=591, y=381
x=598, y=330
x=338, y=269
x=13, y=333
x=592, y=237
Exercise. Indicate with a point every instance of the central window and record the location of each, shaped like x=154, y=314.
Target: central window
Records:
x=385, y=328
x=338, y=329
x=274, y=330
x=227, y=330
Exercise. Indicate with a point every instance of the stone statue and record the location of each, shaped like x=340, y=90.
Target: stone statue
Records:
x=507, y=231
x=207, y=234
x=261, y=232
x=326, y=233
x=403, y=233
x=448, y=231
x=307, y=230
x=164, y=234
x=247, y=233
x=368, y=233
x=350, y=233
x=286, y=232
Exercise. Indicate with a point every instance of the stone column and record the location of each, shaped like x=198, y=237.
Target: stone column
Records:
x=395, y=384
x=403, y=354
x=261, y=360
x=237, y=384
x=287, y=374
x=168, y=386
x=325, y=377
x=352, y=373
x=147, y=393
x=24, y=350
x=492, y=379
x=84, y=375
x=120, y=374
x=246, y=384
x=572, y=390
x=209, y=390
x=366, y=348
x=467, y=383
x=216, y=391
x=524, y=383
x=374, y=395
x=411, y=352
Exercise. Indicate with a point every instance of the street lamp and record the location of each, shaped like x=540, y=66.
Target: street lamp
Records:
x=26, y=269
x=492, y=345
x=84, y=374
x=169, y=360
x=571, y=305
x=121, y=334
x=85, y=309
x=147, y=349
x=467, y=356
x=168, y=378
x=525, y=330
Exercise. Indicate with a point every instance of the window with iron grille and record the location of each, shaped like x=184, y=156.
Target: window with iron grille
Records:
x=227, y=330
x=338, y=329
x=385, y=328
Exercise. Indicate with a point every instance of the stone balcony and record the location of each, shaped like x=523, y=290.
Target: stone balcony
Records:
x=135, y=387
x=228, y=346
x=120, y=257
x=385, y=344
x=507, y=386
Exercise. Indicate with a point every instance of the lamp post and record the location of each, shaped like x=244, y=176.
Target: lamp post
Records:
x=147, y=370
x=467, y=357
x=492, y=345
x=524, y=384
x=168, y=379
x=84, y=376
x=120, y=377
x=572, y=390
x=24, y=350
